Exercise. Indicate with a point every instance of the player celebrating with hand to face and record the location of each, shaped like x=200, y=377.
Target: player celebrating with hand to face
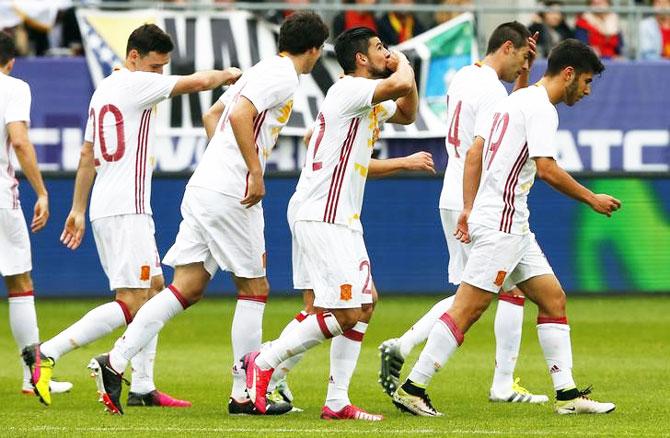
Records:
x=521, y=144
x=118, y=154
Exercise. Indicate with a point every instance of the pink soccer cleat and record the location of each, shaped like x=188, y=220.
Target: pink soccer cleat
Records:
x=156, y=398
x=349, y=412
x=257, y=381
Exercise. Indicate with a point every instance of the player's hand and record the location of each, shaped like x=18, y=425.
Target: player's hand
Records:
x=605, y=204
x=394, y=60
x=255, y=190
x=41, y=213
x=462, y=233
x=73, y=231
x=420, y=162
x=532, y=52
x=232, y=74
x=308, y=136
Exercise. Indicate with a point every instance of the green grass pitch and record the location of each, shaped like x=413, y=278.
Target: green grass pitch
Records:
x=621, y=345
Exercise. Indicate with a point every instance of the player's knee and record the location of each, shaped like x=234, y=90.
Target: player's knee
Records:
x=366, y=312
x=554, y=305
x=347, y=318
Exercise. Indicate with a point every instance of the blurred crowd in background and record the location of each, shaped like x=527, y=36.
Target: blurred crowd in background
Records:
x=49, y=27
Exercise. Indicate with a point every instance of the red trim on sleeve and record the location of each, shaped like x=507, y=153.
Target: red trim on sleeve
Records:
x=27, y=293
x=546, y=320
x=353, y=335
x=258, y=299
x=126, y=312
x=183, y=301
x=512, y=299
x=458, y=334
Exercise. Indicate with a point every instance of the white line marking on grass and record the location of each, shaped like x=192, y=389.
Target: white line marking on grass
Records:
x=116, y=429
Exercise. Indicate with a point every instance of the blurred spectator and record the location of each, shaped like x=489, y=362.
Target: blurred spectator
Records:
x=655, y=33
x=440, y=17
x=395, y=27
x=348, y=19
x=551, y=27
x=600, y=29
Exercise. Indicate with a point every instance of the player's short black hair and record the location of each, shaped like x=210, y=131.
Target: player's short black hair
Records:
x=302, y=31
x=350, y=42
x=149, y=38
x=7, y=48
x=512, y=31
x=573, y=53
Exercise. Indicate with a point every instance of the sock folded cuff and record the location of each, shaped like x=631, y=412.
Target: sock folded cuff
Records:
x=256, y=298
x=451, y=325
x=183, y=301
x=357, y=332
x=27, y=293
x=547, y=320
x=328, y=324
x=512, y=299
x=300, y=316
x=126, y=312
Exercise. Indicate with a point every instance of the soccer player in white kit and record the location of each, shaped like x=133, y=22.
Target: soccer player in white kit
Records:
x=329, y=254
x=15, y=256
x=222, y=224
x=472, y=95
x=521, y=143
x=118, y=155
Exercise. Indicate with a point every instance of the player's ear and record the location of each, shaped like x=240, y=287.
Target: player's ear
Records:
x=361, y=58
x=569, y=74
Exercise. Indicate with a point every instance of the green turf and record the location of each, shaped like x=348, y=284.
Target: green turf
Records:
x=621, y=346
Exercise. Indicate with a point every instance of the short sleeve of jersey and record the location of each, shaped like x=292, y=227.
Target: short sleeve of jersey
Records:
x=387, y=109
x=356, y=95
x=541, y=128
x=18, y=109
x=151, y=88
x=88, y=133
x=485, y=109
x=267, y=89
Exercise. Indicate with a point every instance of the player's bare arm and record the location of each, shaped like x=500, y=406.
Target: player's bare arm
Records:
x=242, y=121
x=399, y=84
x=205, y=80
x=417, y=162
x=551, y=173
x=25, y=153
x=406, y=107
x=75, y=224
x=472, y=173
x=522, y=80
x=211, y=118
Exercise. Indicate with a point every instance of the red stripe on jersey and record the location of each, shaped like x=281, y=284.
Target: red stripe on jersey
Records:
x=343, y=171
x=508, y=194
x=516, y=181
x=145, y=151
x=139, y=160
x=338, y=173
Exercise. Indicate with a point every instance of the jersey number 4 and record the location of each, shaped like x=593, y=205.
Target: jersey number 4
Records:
x=452, y=135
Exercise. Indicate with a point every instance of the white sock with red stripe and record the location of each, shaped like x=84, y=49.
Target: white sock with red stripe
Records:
x=443, y=341
x=419, y=332
x=344, y=352
x=312, y=331
x=554, y=336
x=97, y=323
x=285, y=367
x=507, y=327
x=142, y=365
x=148, y=321
x=23, y=323
x=246, y=334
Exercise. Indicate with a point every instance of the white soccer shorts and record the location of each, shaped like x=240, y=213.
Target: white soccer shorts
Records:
x=220, y=232
x=15, y=257
x=331, y=259
x=499, y=259
x=458, y=252
x=127, y=249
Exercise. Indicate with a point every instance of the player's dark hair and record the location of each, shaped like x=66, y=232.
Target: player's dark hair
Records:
x=573, y=53
x=512, y=31
x=302, y=31
x=149, y=38
x=349, y=43
x=7, y=48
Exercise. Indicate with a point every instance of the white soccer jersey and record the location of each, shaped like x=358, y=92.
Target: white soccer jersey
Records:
x=121, y=127
x=524, y=127
x=472, y=95
x=332, y=182
x=14, y=107
x=269, y=86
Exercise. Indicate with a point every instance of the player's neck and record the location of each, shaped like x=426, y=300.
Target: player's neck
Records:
x=6, y=69
x=493, y=62
x=299, y=61
x=555, y=89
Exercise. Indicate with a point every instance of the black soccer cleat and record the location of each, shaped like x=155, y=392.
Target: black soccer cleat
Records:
x=247, y=408
x=108, y=382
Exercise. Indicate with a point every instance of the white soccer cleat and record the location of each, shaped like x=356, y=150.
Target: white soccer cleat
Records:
x=419, y=405
x=518, y=394
x=391, y=365
x=582, y=405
